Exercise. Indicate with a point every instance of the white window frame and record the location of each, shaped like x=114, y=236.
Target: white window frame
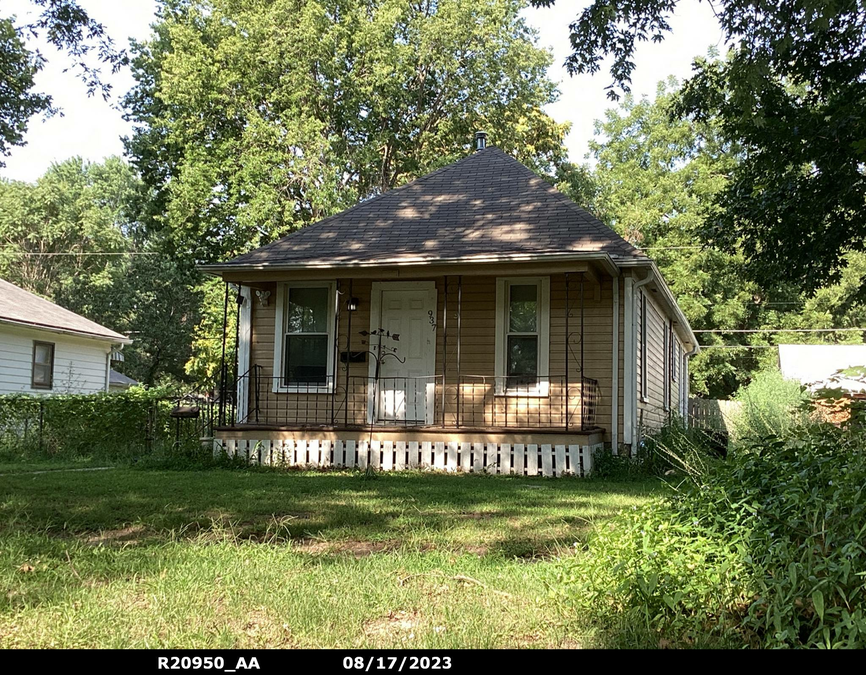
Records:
x=666, y=366
x=644, y=352
x=280, y=336
x=503, y=286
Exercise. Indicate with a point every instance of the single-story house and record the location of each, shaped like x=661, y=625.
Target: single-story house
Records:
x=473, y=319
x=46, y=349
x=814, y=366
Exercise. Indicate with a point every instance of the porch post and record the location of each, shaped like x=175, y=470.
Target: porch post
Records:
x=243, y=350
x=444, y=345
x=348, y=359
x=567, y=312
x=459, y=334
x=582, y=370
x=223, y=388
x=238, y=302
x=336, y=349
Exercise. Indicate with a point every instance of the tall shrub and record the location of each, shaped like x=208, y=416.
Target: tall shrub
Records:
x=770, y=405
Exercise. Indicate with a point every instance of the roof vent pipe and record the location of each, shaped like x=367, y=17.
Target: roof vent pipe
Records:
x=480, y=140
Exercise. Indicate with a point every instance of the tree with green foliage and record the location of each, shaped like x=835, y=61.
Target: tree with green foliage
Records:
x=50, y=230
x=73, y=237
x=66, y=26
x=791, y=93
x=655, y=181
x=253, y=118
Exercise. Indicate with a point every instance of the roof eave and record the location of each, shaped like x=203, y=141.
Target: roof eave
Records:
x=603, y=257
x=113, y=339
x=669, y=296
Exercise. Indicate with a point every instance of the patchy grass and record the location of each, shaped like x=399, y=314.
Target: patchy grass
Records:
x=219, y=558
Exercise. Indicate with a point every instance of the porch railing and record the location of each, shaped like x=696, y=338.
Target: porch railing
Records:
x=473, y=402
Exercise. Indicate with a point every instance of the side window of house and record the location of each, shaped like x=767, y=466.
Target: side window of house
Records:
x=307, y=339
x=643, y=349
x=666, y=389
x=42, y=374
x=675, y=357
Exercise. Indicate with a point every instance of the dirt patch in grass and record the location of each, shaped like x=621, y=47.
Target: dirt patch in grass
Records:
x=399, y=625
x=358, y=548
x=129, y=535
x=260, y=629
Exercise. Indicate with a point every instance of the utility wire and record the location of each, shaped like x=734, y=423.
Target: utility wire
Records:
x=781, y=330
x=83, y=253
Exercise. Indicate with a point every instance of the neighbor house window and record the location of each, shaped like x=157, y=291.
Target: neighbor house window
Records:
x=643, y=349
x=305, y=345
x=42, y=373
x=522, y=327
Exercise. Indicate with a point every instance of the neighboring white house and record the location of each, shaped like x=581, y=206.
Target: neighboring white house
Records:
x=813, y=365
x=46, y=349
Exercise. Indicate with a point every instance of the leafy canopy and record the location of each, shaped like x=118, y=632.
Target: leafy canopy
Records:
x=253, y=118
x=67, y=237
x=791, y=92
x=655, y=181
x=64, y=25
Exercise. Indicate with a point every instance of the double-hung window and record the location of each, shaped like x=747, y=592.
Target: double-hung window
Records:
x=522, y=335
x=304, y=357
x=666, y=389
x=42, y=372
x=644, y=369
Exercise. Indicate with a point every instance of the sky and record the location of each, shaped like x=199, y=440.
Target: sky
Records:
x=92, y=128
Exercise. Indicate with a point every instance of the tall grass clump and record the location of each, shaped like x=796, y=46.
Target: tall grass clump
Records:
x=770, y=404
x=764, y=549
x=671, y=449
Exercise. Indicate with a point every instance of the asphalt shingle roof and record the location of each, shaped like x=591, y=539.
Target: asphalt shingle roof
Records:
x=23, y=308
x=487, y=204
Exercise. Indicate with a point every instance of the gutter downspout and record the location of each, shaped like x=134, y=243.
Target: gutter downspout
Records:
x=633, y=360
x=614, y=405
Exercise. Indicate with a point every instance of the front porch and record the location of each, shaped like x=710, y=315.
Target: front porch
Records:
x=486, y=371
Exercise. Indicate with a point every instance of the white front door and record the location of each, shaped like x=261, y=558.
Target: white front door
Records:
x=403, y=334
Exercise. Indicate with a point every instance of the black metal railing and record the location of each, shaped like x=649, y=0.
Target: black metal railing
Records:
x=549, y=402
x=473, y=402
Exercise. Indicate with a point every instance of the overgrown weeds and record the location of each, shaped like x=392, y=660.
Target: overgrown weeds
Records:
x=764, y=549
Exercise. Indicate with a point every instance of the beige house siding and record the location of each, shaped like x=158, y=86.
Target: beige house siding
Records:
x=651, y=407
x=477, y=310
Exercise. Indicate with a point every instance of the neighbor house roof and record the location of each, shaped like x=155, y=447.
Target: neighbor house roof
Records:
x=22, y=308
x=487, y=205
x=813, y=365
x=117, y=379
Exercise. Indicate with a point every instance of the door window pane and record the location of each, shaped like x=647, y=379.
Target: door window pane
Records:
x=306, y=359
x=307, y=310
x=523, y=309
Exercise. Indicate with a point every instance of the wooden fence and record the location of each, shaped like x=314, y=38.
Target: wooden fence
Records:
x=452, y=456
x=712, y=414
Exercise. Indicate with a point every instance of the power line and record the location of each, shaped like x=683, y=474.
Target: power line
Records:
x=28, y=253
x=781, y=330
x=703, y=347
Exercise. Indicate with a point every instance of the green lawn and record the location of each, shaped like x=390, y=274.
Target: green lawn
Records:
x=220, y=558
